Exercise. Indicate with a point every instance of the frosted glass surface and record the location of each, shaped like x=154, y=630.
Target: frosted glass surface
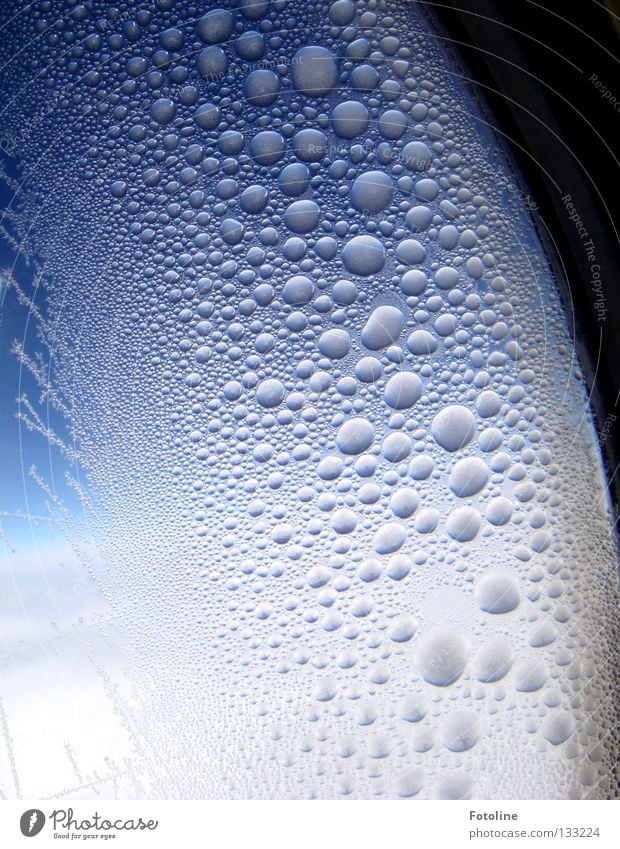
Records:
x=302, y=493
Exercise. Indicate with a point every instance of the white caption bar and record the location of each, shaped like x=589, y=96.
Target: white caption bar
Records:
x=306, y=825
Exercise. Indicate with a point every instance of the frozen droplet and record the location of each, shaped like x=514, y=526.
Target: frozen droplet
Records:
x=410, y=252
x=419, y=218
x=364, y=255
x=344, y=521
x=441, y=656
x=342, y=12
x=349, y=119
x=417, y=156
x=367, y=714
x=423, y=739
x=468, y=477
x=335, y=343
x=456, y=785
x=267, y=147
x=389, y=538
x=499, y=510
x=298, y=290
x=261, y=87
x=215, y=26
x=409, y=783
x=212, y=62
x=490, y=439
x=250, y=45
x=379, y=746
x=355, y=436
x=427, y=520
x=398, y=567
x=254, y=9
x=310, y=145
x=253, y=199
x=493, y=661
x=314, y=70
x=421, y=467
x=446, y=277
x=453, y=427
x=543, y=635
x=318, y=576
x=368, y=370
x=402, y=390
x=396, y=447
x=372, y=192
x=497, y=592
x=344, y=292
x=463, y=524
x=459, y=730
x=530, y=675
x=421, y=342
x=404, y=502
x=383, y=327
x=426, y=189
x=163, y=110
x=413, y=708
x=369, y=570
x=361, y=606
x=559, y=728
x=364, y=77
x=301, y=216
x=294, y=178
x=402, y=628
x=270, y=393
x=392, y=124
x=488, y=404
x=325, y=689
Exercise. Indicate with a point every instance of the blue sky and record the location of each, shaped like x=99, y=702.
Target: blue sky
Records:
x=20, y=494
